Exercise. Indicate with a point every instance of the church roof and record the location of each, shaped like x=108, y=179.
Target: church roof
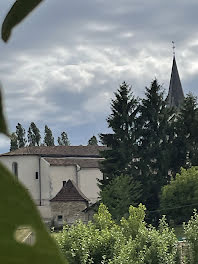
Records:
x=69, y=192
x=175, y=95
x=59, y=151
x=83, y=163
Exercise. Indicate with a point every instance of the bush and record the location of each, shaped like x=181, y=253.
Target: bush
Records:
x=180, y=197
x=191, y=234
x=104, y=241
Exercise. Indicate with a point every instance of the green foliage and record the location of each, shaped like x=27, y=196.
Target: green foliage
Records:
x=93, y=141
x=21, y=139
x=34, y=136
x=122, y=192
x=180, y=197
x=122, y=142
x=17, y=13
x=104, y=241
x=13, y=142
x=48, y=137
x=154, y=144
x=63, y=140
x=186, y=135
x=191, y=234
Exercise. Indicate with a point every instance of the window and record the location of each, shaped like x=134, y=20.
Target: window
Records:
x=37, y=175
x=15, y=169
x=60, y=218
x=64, y=182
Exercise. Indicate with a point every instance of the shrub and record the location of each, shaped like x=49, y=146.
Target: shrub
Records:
x=180, y=197
x=131, y=241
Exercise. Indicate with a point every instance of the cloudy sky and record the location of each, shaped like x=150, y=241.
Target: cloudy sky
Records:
x=63, y=63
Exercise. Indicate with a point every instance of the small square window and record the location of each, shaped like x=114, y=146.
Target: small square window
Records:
x=60, y=218
x=37, y=175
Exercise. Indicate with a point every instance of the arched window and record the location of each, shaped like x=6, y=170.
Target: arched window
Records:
x=15, y=169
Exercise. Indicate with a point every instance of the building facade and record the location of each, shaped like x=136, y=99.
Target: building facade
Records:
x=45, y=170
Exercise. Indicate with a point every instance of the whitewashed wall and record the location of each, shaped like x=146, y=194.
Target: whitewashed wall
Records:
x=88, y=182
x=58, y=174
x=27, y=168
x=45, y=182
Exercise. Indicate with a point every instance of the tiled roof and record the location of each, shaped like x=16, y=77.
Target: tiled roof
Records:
x=59, y=151
x=83, y=163
x=69, y=192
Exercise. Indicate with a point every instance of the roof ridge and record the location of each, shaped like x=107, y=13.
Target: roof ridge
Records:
x=69, y=192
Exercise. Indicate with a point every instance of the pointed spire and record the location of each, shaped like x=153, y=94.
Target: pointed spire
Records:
x=175, y=95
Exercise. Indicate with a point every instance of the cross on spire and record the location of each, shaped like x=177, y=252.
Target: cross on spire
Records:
x=173, y=48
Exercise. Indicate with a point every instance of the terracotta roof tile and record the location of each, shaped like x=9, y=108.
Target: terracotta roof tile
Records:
x=69, y=192
x=59, y=151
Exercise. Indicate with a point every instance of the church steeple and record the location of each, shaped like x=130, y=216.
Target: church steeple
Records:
x=175, y=95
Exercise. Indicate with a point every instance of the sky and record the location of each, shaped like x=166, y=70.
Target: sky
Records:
x=64, y=62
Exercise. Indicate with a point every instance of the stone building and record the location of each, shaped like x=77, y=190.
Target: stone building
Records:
x=62, y=180
x=45, y=170
x=69, y=205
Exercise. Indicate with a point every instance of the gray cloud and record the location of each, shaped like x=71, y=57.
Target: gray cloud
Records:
x=65, y=60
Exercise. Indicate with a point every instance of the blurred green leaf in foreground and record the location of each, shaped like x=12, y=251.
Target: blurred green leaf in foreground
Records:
x=19, y=10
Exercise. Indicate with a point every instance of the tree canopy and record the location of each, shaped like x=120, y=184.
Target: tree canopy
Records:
x=63, y=139
x=48, y=137
x=93, y=141
x=180, y=197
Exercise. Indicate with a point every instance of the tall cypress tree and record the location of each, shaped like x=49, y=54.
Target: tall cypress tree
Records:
x=20, y=133
x=13, y=142
x=34, y=136
x=154, y=148
x=48, y=137
x=121, y=142
x=93, y=141
x=63, y=140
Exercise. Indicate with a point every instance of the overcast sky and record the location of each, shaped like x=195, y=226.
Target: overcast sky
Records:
x=63, y=63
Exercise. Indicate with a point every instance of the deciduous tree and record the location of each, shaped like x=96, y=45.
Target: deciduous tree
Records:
x=180, y=197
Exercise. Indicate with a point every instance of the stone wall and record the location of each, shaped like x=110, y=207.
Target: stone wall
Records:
x=70, y=212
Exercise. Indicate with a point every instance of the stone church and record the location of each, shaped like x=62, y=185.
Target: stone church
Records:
x=62, y=180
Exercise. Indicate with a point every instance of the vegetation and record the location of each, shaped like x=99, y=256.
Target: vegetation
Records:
x=180, y=197
x=93, y=141
x=104, y=241
x=18, y=139
x=150, y=142
x=191, y=234
x=122, y=192
x=20, y=133
x=122, y=142
x=154, y=145
x=48, y=137
x=34, y=136
x=63, y=140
